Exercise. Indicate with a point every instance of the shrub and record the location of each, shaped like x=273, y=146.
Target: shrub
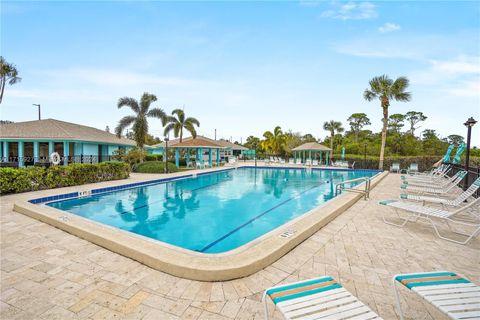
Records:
x=153, y=157
x=13, y=180
x=154, y=167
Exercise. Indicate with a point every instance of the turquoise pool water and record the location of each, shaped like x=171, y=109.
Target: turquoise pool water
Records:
x=214, y=212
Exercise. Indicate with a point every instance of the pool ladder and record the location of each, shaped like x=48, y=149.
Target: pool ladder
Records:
x=339, y=187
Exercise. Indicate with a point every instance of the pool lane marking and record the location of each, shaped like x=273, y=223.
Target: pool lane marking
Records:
x=255, y=218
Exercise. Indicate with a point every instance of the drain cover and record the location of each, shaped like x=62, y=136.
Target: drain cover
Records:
x=288, y=233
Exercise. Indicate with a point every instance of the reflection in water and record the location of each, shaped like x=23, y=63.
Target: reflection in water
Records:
x=139, y=212
x=179, y=201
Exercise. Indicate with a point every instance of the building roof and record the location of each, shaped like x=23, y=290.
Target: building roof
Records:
x=51, y=129
x=230, y=145
x=314, y=146
x=190, y=142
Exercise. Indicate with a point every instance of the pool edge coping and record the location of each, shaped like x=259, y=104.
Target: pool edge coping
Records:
x=183, y=263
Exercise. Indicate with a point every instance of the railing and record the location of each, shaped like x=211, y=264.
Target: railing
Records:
x=339, y=187
x=45, y=161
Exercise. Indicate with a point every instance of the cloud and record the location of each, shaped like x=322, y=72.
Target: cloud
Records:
x=352, y=11
x=467, y=89
x=462, y=65
x=389, y=27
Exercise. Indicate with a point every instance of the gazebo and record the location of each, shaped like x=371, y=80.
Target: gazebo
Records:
x=200, y=144
x=309, y=149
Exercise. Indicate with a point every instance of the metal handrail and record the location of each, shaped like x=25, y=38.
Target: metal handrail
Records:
x=339, y=187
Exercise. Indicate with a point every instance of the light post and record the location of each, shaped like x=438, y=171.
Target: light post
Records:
x=165, y=169
x=469, y=124
x=365, y=156
x=37, y=105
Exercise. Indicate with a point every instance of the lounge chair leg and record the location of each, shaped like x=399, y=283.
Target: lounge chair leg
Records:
x=469, y=236
x=264, y=300
x=401, y=225
x=397, y=298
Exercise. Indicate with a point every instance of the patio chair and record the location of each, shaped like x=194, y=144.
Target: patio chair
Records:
x=352, y=166
x=282, y=161
x=453, y=181
x=308, y=162
x=433, y=175
x=457, y=201
x=441, y=170
x=435, y=183
x=291, y=161
x=315, y=163
x=450, y=293
x=320, y=298
x=395, y=167
x=430, y=214
x=412, y=168
x=198, y=165
x=206, y=165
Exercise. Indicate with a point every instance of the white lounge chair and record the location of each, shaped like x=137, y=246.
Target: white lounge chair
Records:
x=434, y=183
x=453, y=182
x=430, y=214
x=320, y=298
x=426, y=178
x=450, y=293
x=440, y=171
x=457, y=201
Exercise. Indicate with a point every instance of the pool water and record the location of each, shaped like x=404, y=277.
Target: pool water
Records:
x=214, y=212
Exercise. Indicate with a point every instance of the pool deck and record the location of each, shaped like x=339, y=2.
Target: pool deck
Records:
x=47, y=273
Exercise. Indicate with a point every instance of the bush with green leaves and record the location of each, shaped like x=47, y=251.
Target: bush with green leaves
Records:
x=14, y=180
x=154, y=167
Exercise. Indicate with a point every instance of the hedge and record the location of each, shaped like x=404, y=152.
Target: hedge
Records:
x=14, y=180
x=154, y=167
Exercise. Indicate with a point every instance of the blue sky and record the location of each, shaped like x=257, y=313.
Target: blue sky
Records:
x=242, y=67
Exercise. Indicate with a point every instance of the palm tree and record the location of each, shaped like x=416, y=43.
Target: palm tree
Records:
x=274, y=141
x=178, y=123
x=8, y=73
x=142, y=111
x=333, y=126
x=385, y=89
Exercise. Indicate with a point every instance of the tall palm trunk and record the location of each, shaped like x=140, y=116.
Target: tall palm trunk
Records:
x=181, y=133
x=385, y=104
x=332, y=135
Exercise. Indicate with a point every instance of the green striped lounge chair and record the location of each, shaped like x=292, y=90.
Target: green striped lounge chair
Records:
x=439, y=172
x=437, y=183
x=443, y=201
x=321, y=298
x=450, y=293
x=430, y=214
x=455, y=180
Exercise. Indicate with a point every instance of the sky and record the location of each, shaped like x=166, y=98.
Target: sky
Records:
x=242, y=67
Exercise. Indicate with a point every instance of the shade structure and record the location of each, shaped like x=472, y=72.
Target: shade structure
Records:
x=311, y=151
x=199, y=144
x=343, y=153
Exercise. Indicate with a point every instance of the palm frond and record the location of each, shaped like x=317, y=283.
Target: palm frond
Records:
x=190, y=128
x=129, y=102
x=157, y=113
x=193, y=121
x=145, y=101
x=169, y=127
x=369, y=95
x=123, y=123
x=176, y=129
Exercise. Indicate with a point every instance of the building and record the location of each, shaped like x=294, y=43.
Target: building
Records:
x=29, y=142
x=232, y=149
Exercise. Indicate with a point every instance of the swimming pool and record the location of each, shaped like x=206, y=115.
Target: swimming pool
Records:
x=215, y=212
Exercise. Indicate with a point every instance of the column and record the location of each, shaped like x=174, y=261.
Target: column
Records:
x=6, y=156
x=66, y=148
x=21, y=153
x=36, y=151
x=294, y=156
x=218, y=157
x=326, y=159
x=320, y=158
x=201, y=156
x=310, y=155
x=210, y=157
x=188, y=156
x=50, y=148
x=177, y=157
